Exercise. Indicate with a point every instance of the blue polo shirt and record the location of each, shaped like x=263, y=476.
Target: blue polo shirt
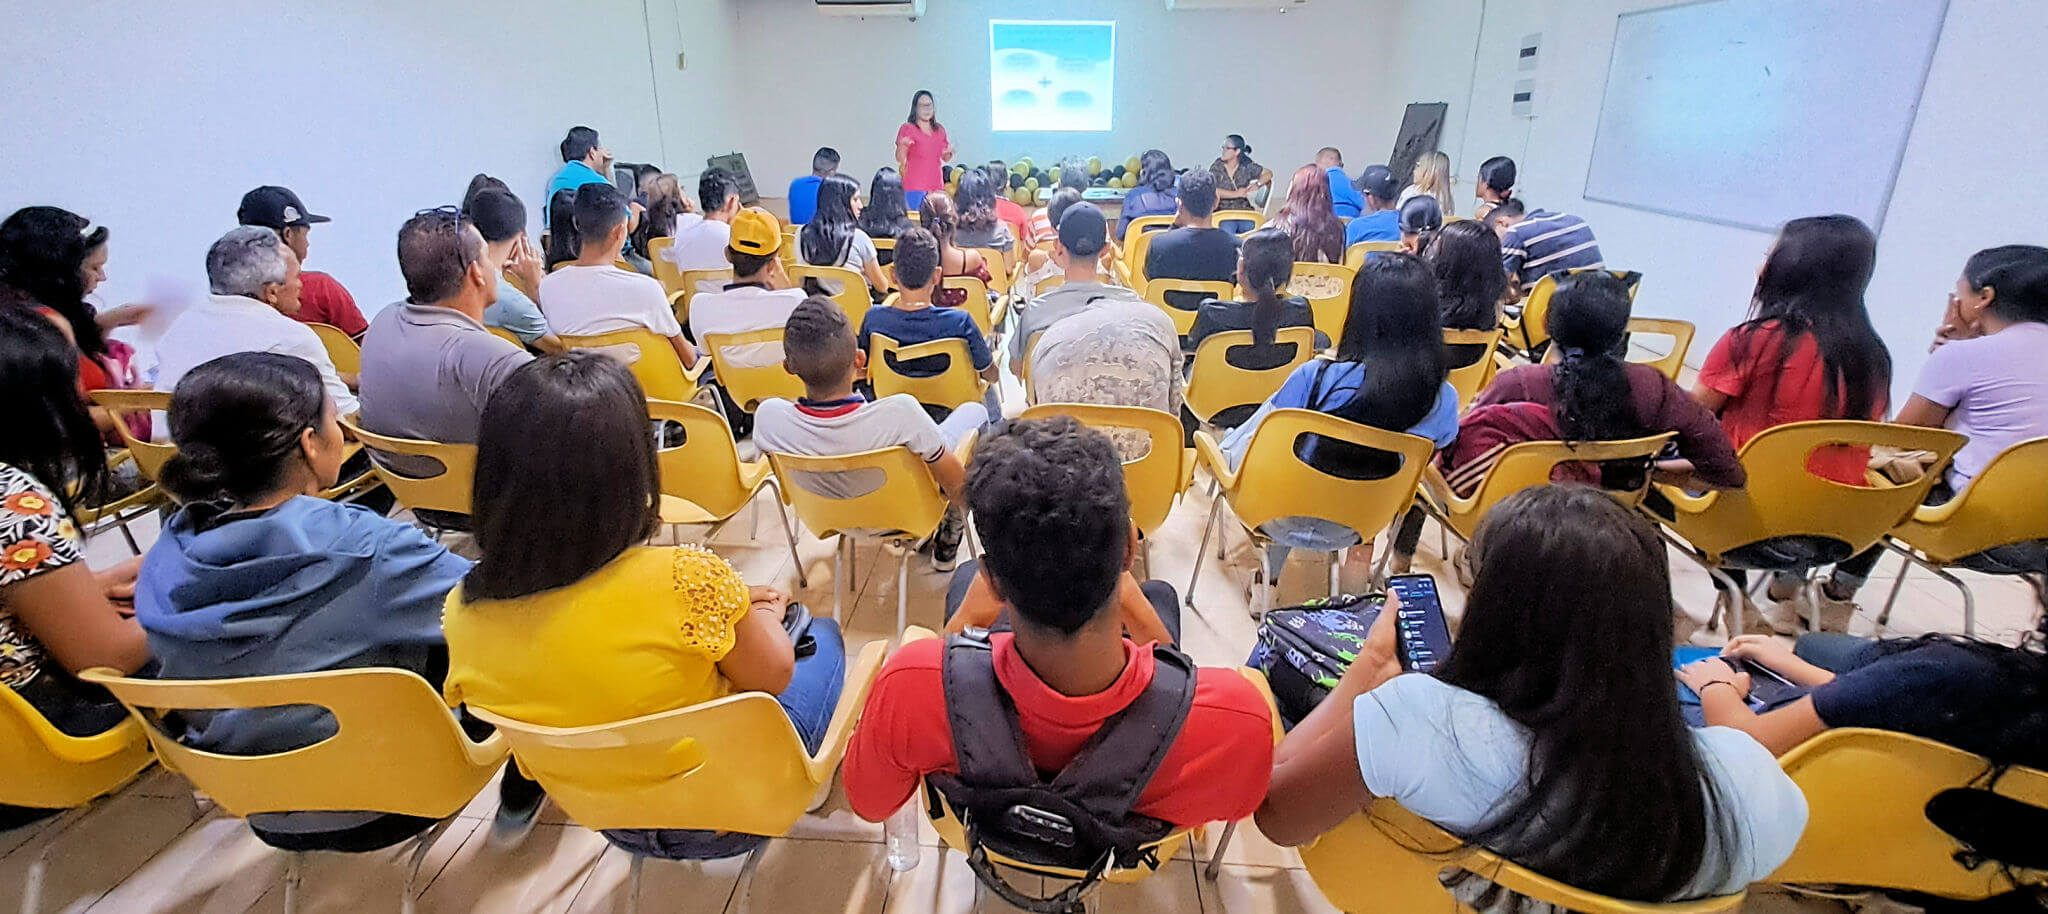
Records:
x=1345, y=200
x=803, y=199
x=1384, y=225
x=573, y=175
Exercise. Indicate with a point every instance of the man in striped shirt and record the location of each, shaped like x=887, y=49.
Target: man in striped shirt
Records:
x=1540, y=243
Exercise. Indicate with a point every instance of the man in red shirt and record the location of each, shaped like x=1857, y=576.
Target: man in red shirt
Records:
x=1048, y=498
x=323, y=301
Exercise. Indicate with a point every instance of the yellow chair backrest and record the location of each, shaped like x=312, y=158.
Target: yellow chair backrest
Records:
x=1215, y=385
x=1223, y=217
x=1153, y=481
x=1332, y=304
x=397, y=748
x=48, y=769
x=2005, y=504
x=342, y=351
x=507, y=335
x=665, y=271
x=1532, y=329
x=1184, y=319
x=732, y=764
x=976, y=303
x=1146, y=225
x=907, y=501
x=958, y=384
x=1274, y=482
x=1866, y=799
x=750, y=385
x=651, y=358
x=852, y=296
x=1782, y=499
x=149, y=456
x=1137, y=249
x=999, y=264
x=690, y=283
x=705, y=470
x=1680, y=332
x=1530, y=463
x=448, y=491
x=1472, y=378
x=1354, y=256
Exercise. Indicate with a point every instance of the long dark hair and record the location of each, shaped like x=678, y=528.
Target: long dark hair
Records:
x=1617, y=799
x=42, y=255
x=977, y=201
x=920, y=94
x=238, y=420
x=50, y=434
x=1308, y=218
x=563, y=243
x=1470, y=280
x=664, y=204
x=888, y=211
x=1813, y=283
x=2017, y=274
x=828, y=236
x=1268, y=259
x=1393, y=329
x=578, y=421
x=1155, y=171
x=1588, y=321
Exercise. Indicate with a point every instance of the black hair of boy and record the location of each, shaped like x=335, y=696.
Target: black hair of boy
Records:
x=1512, y=208
x=599, y=209
x=1055, y=523
x=917, y=258
x=745, y=265
x=818, y=344
x=579, y=143
x=824, y=161
x=498, y=214
x=714, y=187
x=1198, y=193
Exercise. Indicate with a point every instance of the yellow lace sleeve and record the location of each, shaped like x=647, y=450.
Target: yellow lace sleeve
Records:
x=711, y=599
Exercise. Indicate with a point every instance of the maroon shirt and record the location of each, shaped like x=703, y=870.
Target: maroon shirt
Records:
x=1659, y=406
x=324, y=301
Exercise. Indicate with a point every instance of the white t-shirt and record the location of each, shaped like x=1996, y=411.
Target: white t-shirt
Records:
x=700, y=244
x=784, y=427
x=858, y=254
x=1996, y=388
x=225, y=324
x=1450, y=756
x=584, y=301
x=743, y=309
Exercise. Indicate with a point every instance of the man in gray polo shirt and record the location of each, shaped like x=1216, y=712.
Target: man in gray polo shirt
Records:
x=428, y=363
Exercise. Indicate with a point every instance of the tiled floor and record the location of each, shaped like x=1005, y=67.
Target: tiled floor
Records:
x=149, y=849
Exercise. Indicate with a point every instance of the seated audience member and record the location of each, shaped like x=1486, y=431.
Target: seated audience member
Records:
x=1985, y=377
x=1381, y=220
x=51, y=261
x=1345, y=200
x=561, y=241
x=567, y=620
x=1157, y=193
x=887, y=214
x=978, y=225
x=591, y=295
x=701, y=238
x=833, y=237
x=1495, y=186
x=803, y=192
x=662, y=194
x=1015, y=221
x=1040, y=231
x=1420, y=218
x=1237, y=176
x=913, y=318
x=501, y=219
x=1194, y=248
x=584, y=161
x=759, y=296
x=1388, y=374
x=1055, y=525
x=1077, y=252
x=1431, y=177
x=1266, y=264
x=1040, y=266
x=255, y=282
x=832, y=420
x=257, y=438
x=322, y=300
x=1483, y=747
x=936, y=214
x=1307, y=219
x=57, y=617
x=1541, y=243
x=1807, y=351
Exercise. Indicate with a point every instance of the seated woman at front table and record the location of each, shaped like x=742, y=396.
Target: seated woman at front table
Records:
x=1264, y=265
x=1555, y=696
x=1157, y=192
x=1388, y=374
x=833, y=237
x=567, y=620
x=257, y=576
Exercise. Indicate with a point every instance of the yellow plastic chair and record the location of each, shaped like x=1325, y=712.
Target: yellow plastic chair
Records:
x=397, y=750
x=447, y=491
x=148, y=456
x=1223, y=217
x=748, y=386
x=1331, y=309
x=1681, y=334
x=1153, y=481
x=1472, y=378
x=1527, y=465
x=93, y=520
x=1273, y=482
x=852, y=296
x=1787, y=519
x=2005, y=505
x=49, y=769
x=507, y=335
x=342, y=351
x=1215, y=385
x=665, y=271
x=1184, y=319
x=958, y=384
x=976, y=304
x=731, y=764
x=1138, y=250
x=905, y=507
x=1385, y=860
x=690, y=283
x=1866, y=799
x=1529, y=330
x=704, y=481
x=999, y=264
x=1354, y=256
x=651, y=358
x=1145, y=225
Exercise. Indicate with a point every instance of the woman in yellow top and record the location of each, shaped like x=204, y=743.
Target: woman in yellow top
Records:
x=568, y=621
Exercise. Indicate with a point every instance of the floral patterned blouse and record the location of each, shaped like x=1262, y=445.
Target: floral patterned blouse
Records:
x=35, y=536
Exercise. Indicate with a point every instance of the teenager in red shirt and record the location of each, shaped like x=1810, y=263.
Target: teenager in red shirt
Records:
x=323, y=299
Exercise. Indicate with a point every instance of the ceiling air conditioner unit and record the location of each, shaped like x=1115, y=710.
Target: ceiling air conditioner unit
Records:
x=892, y=8
x=1278, y=5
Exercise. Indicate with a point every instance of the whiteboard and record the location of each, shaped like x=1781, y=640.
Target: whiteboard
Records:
x=1754, y=112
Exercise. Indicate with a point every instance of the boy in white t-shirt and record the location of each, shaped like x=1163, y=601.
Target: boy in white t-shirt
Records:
x=759, y=296
x=832, y=420
x=700, y=241
x=591, y=295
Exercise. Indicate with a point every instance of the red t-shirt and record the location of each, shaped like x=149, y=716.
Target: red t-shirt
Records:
x=1765, y=390
x=324, y=301
x=1019, y=221
x=921, y=161
x=1216, y=770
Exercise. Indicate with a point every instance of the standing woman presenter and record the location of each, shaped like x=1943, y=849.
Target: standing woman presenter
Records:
x=921, y=148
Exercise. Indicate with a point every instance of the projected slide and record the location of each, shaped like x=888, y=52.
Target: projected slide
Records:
x=1051, y=75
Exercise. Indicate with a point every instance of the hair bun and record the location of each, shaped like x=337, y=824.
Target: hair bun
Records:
x=196, y=473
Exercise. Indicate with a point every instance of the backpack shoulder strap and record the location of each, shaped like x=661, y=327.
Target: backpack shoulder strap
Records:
x=987, y=740
x=1116, y=765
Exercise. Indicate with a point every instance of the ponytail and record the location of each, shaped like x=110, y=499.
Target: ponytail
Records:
x=1268, y=257
x=237, y=421
x=1588, y=323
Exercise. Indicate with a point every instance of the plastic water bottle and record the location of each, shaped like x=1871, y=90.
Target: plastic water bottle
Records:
x=900, y=835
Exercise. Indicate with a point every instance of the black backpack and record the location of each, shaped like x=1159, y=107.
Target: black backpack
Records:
x=1080, y=820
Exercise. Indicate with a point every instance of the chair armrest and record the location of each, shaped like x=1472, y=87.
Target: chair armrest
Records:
x=1683, y=502
x=752, y=474
x=1933, y=515
x=852, y=698
x=1211, y=455
x=695, y=373
x=964, y=451
x=1187, y=468
x=488, y=751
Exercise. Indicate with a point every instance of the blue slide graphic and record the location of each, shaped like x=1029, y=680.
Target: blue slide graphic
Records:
x=1051, y=75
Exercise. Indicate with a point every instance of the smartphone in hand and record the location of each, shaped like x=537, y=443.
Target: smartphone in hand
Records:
x=1420, y=631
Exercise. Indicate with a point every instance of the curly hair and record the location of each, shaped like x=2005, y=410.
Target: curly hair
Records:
x=1049, y=502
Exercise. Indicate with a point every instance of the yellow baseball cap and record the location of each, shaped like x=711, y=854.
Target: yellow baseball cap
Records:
x=755, y=231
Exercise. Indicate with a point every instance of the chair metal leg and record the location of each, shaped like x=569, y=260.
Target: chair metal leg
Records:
x=1884, y=616
x=839, y=566
x=1216, y=857
x=32, y=888
x=294, y=870
x=1201, y=551
x=633, y=867
x=1336, y=582
x=789, y=534
x=1969, y=600
x=744, y=888
x=902, y=593
x=1731, y=593
x=126, y=534
x=421, y=844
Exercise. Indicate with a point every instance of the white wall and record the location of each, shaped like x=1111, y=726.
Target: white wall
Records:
x=153, y=119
